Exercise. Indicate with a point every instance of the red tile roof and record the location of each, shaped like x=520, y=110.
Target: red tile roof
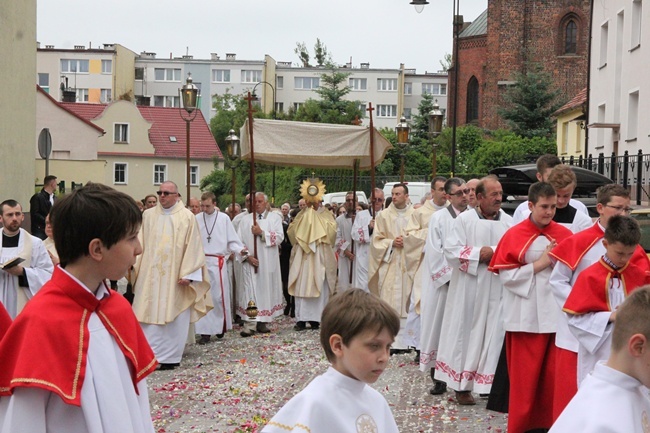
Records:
x=72, y=113
x=166, y=122
x=574, y=103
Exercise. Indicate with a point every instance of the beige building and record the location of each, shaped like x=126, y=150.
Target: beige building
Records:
x=570, y=122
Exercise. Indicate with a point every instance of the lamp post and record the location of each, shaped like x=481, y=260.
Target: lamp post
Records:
x=189, y=94
x=402, y=129
x=273, y=116
x=234, y=159
x=435, y=126
x=457, y=24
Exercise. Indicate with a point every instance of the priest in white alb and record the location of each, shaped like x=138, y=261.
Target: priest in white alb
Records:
x=171, y=280
x=219, y=240
x=20, y=282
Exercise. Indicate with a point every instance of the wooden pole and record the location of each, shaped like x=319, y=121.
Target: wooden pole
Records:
x=372, y=161
x=355, y=166
x=249, y=98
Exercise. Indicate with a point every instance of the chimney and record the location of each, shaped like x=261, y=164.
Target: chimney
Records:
x=231, y=56
x=365, y=65
x=49, y=47
x=109, y=46
x=147, y=55
x=187, y=57
x=214, y=56
x=79, y=47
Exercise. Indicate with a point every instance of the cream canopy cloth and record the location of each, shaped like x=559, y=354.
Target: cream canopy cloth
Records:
x=318, y=144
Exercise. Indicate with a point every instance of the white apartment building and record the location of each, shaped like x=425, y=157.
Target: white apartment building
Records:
x=620, y=60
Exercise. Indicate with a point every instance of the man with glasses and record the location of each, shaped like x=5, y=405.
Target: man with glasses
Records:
x=571, y=257
x=435, y=277
x=171, y=279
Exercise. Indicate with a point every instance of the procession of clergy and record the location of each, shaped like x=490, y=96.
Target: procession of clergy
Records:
x=488, y=301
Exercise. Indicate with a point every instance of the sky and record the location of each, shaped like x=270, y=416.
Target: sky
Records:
x=383, y=33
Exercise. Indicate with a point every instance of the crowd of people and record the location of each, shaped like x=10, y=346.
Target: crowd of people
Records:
x=538, y=312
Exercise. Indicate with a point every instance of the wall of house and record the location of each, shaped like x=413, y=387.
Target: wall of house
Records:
x=124, y=112
x=472, y=55
x=123, y=72
x=77, y=171
x=570, y=135
x=18, y=107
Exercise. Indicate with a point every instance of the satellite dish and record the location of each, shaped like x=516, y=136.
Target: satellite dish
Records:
x=45, y=143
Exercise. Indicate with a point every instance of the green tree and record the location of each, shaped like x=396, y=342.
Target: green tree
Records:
x=231, y=113
x=303, y=54
x=420, y=122
x=322, y=56
x=530, y=103
x=446, y=61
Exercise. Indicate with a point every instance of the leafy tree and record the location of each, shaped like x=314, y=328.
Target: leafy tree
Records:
x=303, y=54
x=420, y=122
x=445, y=63
x=530, y=103
x=322, y=56
x=231, y=112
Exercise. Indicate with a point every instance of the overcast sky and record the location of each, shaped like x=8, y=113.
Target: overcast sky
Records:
x=384, y=33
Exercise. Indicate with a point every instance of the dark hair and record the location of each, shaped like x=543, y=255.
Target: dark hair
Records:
x=451, y=182
x=632, y=318
x=403, y=185
x=352, y=312
x=540, y=189
x=547, y=161
x=364, y=206
x=209, y=195
x=623, y=229
x=437, y=179
x=94, y=211
x=49, y=178
x=605, y=193
x=11, y=203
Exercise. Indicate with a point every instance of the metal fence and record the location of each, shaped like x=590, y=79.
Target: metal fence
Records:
x=631, y=171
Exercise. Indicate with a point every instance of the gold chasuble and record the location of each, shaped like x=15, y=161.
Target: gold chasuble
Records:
x=312, y=234
x=171, y=250
x=387, y=273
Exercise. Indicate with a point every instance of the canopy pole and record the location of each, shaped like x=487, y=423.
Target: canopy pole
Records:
x=251, y=204
x=372, y=161
x=355, y=168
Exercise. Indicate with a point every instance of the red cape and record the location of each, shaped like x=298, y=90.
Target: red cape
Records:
x=47, y=345
x=5, y=321
x=572, y=250
x=512, y=247
x=590, y=293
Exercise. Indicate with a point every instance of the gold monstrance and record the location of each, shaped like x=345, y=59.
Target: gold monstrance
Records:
x=312, y=190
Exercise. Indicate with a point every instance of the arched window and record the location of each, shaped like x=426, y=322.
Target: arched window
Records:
x=472, y=100
x=571, y=38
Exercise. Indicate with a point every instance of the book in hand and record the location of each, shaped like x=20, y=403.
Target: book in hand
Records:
x=12, y=262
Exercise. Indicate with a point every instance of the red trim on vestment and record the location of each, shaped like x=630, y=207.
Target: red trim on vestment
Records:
x=571, y=250
x=47, y=345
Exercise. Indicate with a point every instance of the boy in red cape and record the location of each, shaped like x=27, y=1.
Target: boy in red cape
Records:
x=529, y=310
x=600, y=289
x=75, y=359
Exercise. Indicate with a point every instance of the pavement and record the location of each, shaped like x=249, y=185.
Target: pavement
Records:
x=237, y=384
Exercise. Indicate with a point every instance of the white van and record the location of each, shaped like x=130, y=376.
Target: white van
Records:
x=339, y=197
x=417, y=190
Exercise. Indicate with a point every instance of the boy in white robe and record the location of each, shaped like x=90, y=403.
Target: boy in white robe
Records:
x=357, y=330
x=614, y=397
x=75, y=360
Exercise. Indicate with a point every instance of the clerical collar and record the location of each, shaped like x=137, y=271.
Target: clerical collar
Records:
x=10, y=241
x=436, y=207
x=458, y=211
x=610, y=263
x=481, y=216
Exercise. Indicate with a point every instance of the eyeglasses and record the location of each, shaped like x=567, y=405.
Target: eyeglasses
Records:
x=380, y=200
x=165, y=193
x=620, y=208
x=460, y=192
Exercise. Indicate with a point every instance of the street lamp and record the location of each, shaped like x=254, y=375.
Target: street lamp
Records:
x=189, y=95
x=402, y=129
x=419, y=5
x=273, y=116
x=435, y=127
x=234, y=159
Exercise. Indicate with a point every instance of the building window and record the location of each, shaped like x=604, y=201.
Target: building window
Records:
x=279, y=107
x=82, y=95
x=387, y=111
x=159, y=173
x=407, y=113
x=44, y=82
x=107, y=66
x=358, y=83
x=571, y=38
x=279, y=82
x=565, y=138
x=363, y=108
x=633, y=115
x=408, y=88
x=167, y=74
x=251, y=76
x=139, y=73
x=434, y=89
x=306, y=83
x=74, y=65
x=194, y=175
x=296, y=106
x=120, y=173
x=472, y=100
x=221, y=75
x=387, y=84
x=106, y=96
x=121, y=133
x=637, y=11
x=604, y=40
x=166, y=101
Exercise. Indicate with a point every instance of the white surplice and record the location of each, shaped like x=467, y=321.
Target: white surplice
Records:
x=360, y=234
x=343, y=243
x=472, y=334
x=609, y=401
x=522, y=212
x=223, y=240
x=109, y=403
x=435, y=284
x=337, y=403
x=38, y=272
x=264, y=286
